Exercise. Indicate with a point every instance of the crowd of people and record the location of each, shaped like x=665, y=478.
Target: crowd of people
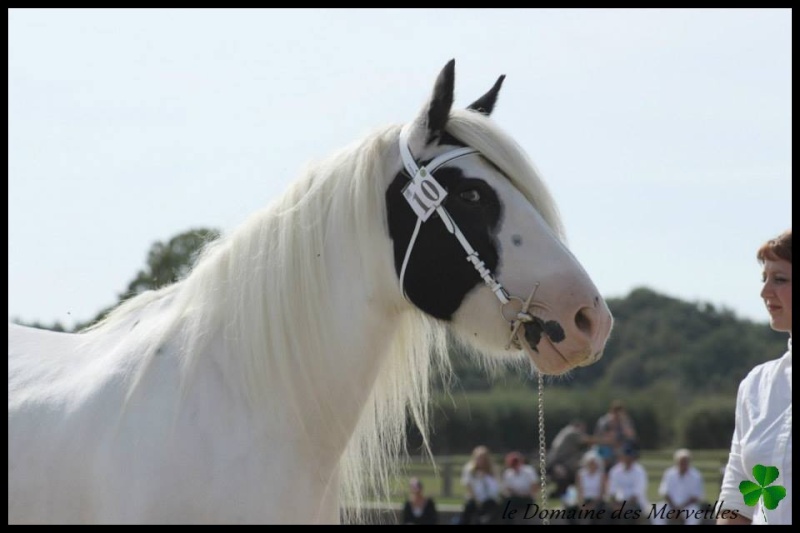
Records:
x=587, y=472
x=601, y=470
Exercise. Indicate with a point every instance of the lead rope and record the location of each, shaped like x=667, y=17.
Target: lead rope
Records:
x=542, y=448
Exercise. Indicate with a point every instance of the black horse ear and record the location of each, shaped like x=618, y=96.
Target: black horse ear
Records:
x=485, y=104
x=441, y=101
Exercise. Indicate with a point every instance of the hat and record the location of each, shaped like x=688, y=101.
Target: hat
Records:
x=681, y=453
x=415, y=484
x=630, y=450
x=590, y=456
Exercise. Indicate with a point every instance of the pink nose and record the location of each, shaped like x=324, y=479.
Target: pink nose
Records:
x=592, y=324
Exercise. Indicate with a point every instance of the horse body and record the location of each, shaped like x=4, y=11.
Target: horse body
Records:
x=81, y=452
x=273, y=384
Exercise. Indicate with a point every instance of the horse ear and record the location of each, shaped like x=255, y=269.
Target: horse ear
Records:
x=485, y=104
x=441, y=101
x=429, y=124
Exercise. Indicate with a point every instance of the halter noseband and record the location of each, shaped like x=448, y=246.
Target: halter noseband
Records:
x=425, y=196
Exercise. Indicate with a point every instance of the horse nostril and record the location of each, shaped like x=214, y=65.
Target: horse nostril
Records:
x=583, y=320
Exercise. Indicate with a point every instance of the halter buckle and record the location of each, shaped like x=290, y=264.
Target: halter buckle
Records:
x=521, y=317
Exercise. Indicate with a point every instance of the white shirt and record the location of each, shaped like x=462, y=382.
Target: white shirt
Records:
x=591, y=484
x=482, y=485
x=626, y=484
x=762, y=435
x=681, y=488
x=520, y=483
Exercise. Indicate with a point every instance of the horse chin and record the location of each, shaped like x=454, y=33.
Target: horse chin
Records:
x=549, y=360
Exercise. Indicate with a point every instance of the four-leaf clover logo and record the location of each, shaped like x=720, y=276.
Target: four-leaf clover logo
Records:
x=764, y=476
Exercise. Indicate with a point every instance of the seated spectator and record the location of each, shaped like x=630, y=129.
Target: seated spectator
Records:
x=520, y=485
x=682, y=488
x=590, y=482
x=564, y=457
x=482, y=487
x=627, y=484
x=418, y=508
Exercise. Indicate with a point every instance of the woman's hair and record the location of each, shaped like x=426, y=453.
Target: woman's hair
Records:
x=513, y=459
x=476, y=454
x=776, y=249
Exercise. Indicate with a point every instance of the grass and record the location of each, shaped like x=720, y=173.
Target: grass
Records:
x=708, y=462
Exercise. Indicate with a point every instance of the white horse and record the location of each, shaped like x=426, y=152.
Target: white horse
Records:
x=274, y=382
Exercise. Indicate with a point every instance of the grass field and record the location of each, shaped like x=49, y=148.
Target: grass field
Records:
x=708, y=462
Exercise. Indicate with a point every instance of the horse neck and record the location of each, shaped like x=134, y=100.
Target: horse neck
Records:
x=310, y=341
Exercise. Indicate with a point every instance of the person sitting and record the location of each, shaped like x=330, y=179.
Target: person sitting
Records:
x=627, y=485
x=590, y=482
x=418, y=508
x=682, y=488
x=520, y=485
x=482, y=487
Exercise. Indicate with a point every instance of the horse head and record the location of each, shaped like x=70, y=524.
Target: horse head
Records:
x=477, y=240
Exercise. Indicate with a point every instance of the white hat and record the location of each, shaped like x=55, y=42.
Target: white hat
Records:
x=592, y=455
x=681, y=453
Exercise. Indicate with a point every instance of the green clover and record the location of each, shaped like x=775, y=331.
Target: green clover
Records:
x=764, y=475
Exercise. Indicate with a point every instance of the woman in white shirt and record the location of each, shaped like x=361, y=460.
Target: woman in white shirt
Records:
x=763, y=430
x=590, y=481
x=520, y=486
x=483, y=489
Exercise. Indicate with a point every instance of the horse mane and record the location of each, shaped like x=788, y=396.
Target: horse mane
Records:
x=258, y=287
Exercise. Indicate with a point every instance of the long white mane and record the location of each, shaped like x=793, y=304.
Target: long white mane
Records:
x=265, y=290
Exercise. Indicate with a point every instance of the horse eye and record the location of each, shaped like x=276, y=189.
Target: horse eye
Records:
x=472, y=196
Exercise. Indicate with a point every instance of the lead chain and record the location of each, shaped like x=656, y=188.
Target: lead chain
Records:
x=542, y=449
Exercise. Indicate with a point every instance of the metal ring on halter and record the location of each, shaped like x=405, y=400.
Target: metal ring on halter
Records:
x=519, y=316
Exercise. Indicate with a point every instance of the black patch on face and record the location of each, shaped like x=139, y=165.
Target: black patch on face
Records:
x=535, y=329
x=438, y=276
x=554, y=331
x=533, y=334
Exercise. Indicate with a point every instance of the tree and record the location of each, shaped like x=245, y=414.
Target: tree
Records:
x=166, y=264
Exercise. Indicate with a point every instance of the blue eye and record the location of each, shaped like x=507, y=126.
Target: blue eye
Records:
x=472, y=196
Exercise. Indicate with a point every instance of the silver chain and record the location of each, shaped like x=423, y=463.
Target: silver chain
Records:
x=542, y=450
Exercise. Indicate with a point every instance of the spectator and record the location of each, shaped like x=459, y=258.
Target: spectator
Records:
x=520, y=484
x=590, y=482
x=627, y=483
x=682, y=488
x=613, y=432
x=418, y=508
x=564, y=457
x=483, y=489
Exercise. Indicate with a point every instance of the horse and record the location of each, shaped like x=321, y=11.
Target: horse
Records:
x=275, y=382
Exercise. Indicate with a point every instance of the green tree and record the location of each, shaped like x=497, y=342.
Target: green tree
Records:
x=166, y=263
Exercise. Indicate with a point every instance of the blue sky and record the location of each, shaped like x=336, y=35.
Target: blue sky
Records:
x=664, y=135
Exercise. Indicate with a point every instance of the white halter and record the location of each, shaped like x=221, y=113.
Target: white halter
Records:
x=425, y=195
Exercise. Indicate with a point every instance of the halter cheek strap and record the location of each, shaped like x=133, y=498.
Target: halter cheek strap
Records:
x=425, y=196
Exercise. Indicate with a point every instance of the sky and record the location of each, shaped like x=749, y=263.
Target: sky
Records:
x=664, y=135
